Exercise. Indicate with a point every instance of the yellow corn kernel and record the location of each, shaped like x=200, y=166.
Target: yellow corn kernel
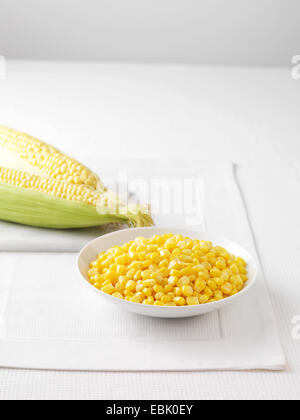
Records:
x=243, y=270
x=170, y=244
x=121, y=260
x=180, y=301
x=146, y=275
x=178, y=291
x=137, y=276
x=170, y=304
x=241, y=262
x=159, y=295
x=176, y=253
x=244, y=278
x=118, y=295
x=165, y=254
x=149, y=300
x=212, y=261
x=203, y=275
x=154, y=257
x=237, y=281
x=110, y=275
x=219, y=282
x=139, y=287
x=130, y=285
x=140, y=247
x=193, y=278
x=218, y=295
x=215, y=272
x=96, y=278
x=128, y=293
x=200, y=285
x=119, y=287
x=203, y=299
x=221, y=264
x=123, y=280
x=106, y=263
x=192, y=300
x=175, y=273
x=109, y=289
x=137, y=265
x=227, y=288
x=207, y=265
x=199, y=268
x=208, y=292
x=171, y=295
x=225, y=276
x=212, y=284
x=183, y=281
x=158, y=288
x=164, y=263
x=142, y=256
x=146, y=264
x=187, y=271
x=186, y=258
x=168, y=288
x=133, y=255
x=136, y=299
x=157, y=276
x=131, y=273
x=154, y=269
x=152, y=247
x=187, y=290
x=106, y=282
x=164, y=272
x=189, y=243
x=175, y=265
x=234, y=269
x=165, y=299
x=93, y=264
x=93, y=271
x=172, y=281
x=97, y=285
x=149, y=283
x=158, y=303
x=121, y=270
x=140, y=295
x=147, y=291
x=204, y=247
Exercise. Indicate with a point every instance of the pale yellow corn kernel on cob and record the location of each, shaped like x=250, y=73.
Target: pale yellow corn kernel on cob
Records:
x=48, y=159
x=32, y=200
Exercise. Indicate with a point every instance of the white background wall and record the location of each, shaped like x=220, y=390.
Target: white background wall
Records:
x=243, y=32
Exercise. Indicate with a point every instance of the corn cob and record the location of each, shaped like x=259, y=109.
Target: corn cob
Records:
x=50, y=161
x=32, y=200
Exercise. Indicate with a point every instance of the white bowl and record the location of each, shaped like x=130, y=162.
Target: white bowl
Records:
x=89, y=253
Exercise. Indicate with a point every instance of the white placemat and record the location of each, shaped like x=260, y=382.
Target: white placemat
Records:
x=48, y=320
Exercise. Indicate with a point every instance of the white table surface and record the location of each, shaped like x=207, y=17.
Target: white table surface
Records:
x=250, y=116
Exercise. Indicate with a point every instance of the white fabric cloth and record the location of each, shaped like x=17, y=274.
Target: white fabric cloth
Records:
x=65, y=326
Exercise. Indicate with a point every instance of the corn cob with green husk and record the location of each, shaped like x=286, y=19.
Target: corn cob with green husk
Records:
x=40, y=186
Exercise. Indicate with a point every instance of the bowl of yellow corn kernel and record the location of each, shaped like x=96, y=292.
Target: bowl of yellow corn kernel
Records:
x=153, y=272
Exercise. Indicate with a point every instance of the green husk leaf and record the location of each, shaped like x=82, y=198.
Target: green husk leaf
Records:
x=38, y=209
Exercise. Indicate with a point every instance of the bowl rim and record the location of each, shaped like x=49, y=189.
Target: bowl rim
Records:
x=170, y=308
